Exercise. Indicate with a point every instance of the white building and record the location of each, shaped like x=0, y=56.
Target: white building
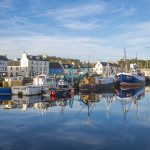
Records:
x=13, y=68
x=34, y=65
x=3, y=66
x=104, y=68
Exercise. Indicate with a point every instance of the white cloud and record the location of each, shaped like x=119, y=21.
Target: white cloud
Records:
x=16, y=21
x=122, y=10
x=80, y=11
x=80, y=25
x=72, y=17
x=75, y=47
x=26, y=35
x=129, y=12
x=135, y=39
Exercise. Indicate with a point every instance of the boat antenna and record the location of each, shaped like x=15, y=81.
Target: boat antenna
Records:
x=136, y=57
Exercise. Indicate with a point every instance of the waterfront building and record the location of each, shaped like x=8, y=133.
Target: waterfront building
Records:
x=104, y=68
x=3, y=65
x=34, y=65
x=13, y=68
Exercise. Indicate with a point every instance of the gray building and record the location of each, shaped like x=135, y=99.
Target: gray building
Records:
x=3, y=65
x=13, y=68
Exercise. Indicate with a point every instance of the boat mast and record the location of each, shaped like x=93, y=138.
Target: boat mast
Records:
x=125, y=60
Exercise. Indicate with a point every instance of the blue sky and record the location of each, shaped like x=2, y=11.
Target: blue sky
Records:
x=82, y=29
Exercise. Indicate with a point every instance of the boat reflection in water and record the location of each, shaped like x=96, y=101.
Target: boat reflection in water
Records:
x=130, y=97
x=92, y=99
x=5, y=97
x=130, y=93
x=88, y=100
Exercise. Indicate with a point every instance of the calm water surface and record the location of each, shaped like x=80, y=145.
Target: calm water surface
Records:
x=91, y=121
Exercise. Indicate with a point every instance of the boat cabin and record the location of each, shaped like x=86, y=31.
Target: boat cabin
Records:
x=44, y=80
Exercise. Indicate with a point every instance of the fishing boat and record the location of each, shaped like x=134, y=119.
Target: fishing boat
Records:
x=62, y=84
x=26, y=90
x=92, y=83
x=131, y=80
x=106, y=84
x=44, y=81
x=5, y=91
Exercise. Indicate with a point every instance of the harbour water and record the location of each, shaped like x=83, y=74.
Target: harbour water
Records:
x=99, y=121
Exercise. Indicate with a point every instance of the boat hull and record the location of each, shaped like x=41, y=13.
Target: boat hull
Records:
x=127, y=80
x=5, y=91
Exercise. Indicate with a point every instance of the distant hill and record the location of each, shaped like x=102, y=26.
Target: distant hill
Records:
x=140, y=63
x=75, y=62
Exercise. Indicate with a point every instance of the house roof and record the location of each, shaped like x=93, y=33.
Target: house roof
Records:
x=37, y=58
x=4, y=58
x=104, y=63
x=114, y=65
x=13, y=63
x=55, y=65
x=67, y=66
x=110, y=64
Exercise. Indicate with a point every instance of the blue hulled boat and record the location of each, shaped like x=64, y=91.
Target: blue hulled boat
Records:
x=5, y=91
x=131, y=80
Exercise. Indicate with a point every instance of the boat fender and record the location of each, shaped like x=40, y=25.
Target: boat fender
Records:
x=53, y=93
x=53, y=98
x=72, y=92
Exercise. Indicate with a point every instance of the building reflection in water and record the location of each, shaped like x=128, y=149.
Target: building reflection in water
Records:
x=15, y=102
